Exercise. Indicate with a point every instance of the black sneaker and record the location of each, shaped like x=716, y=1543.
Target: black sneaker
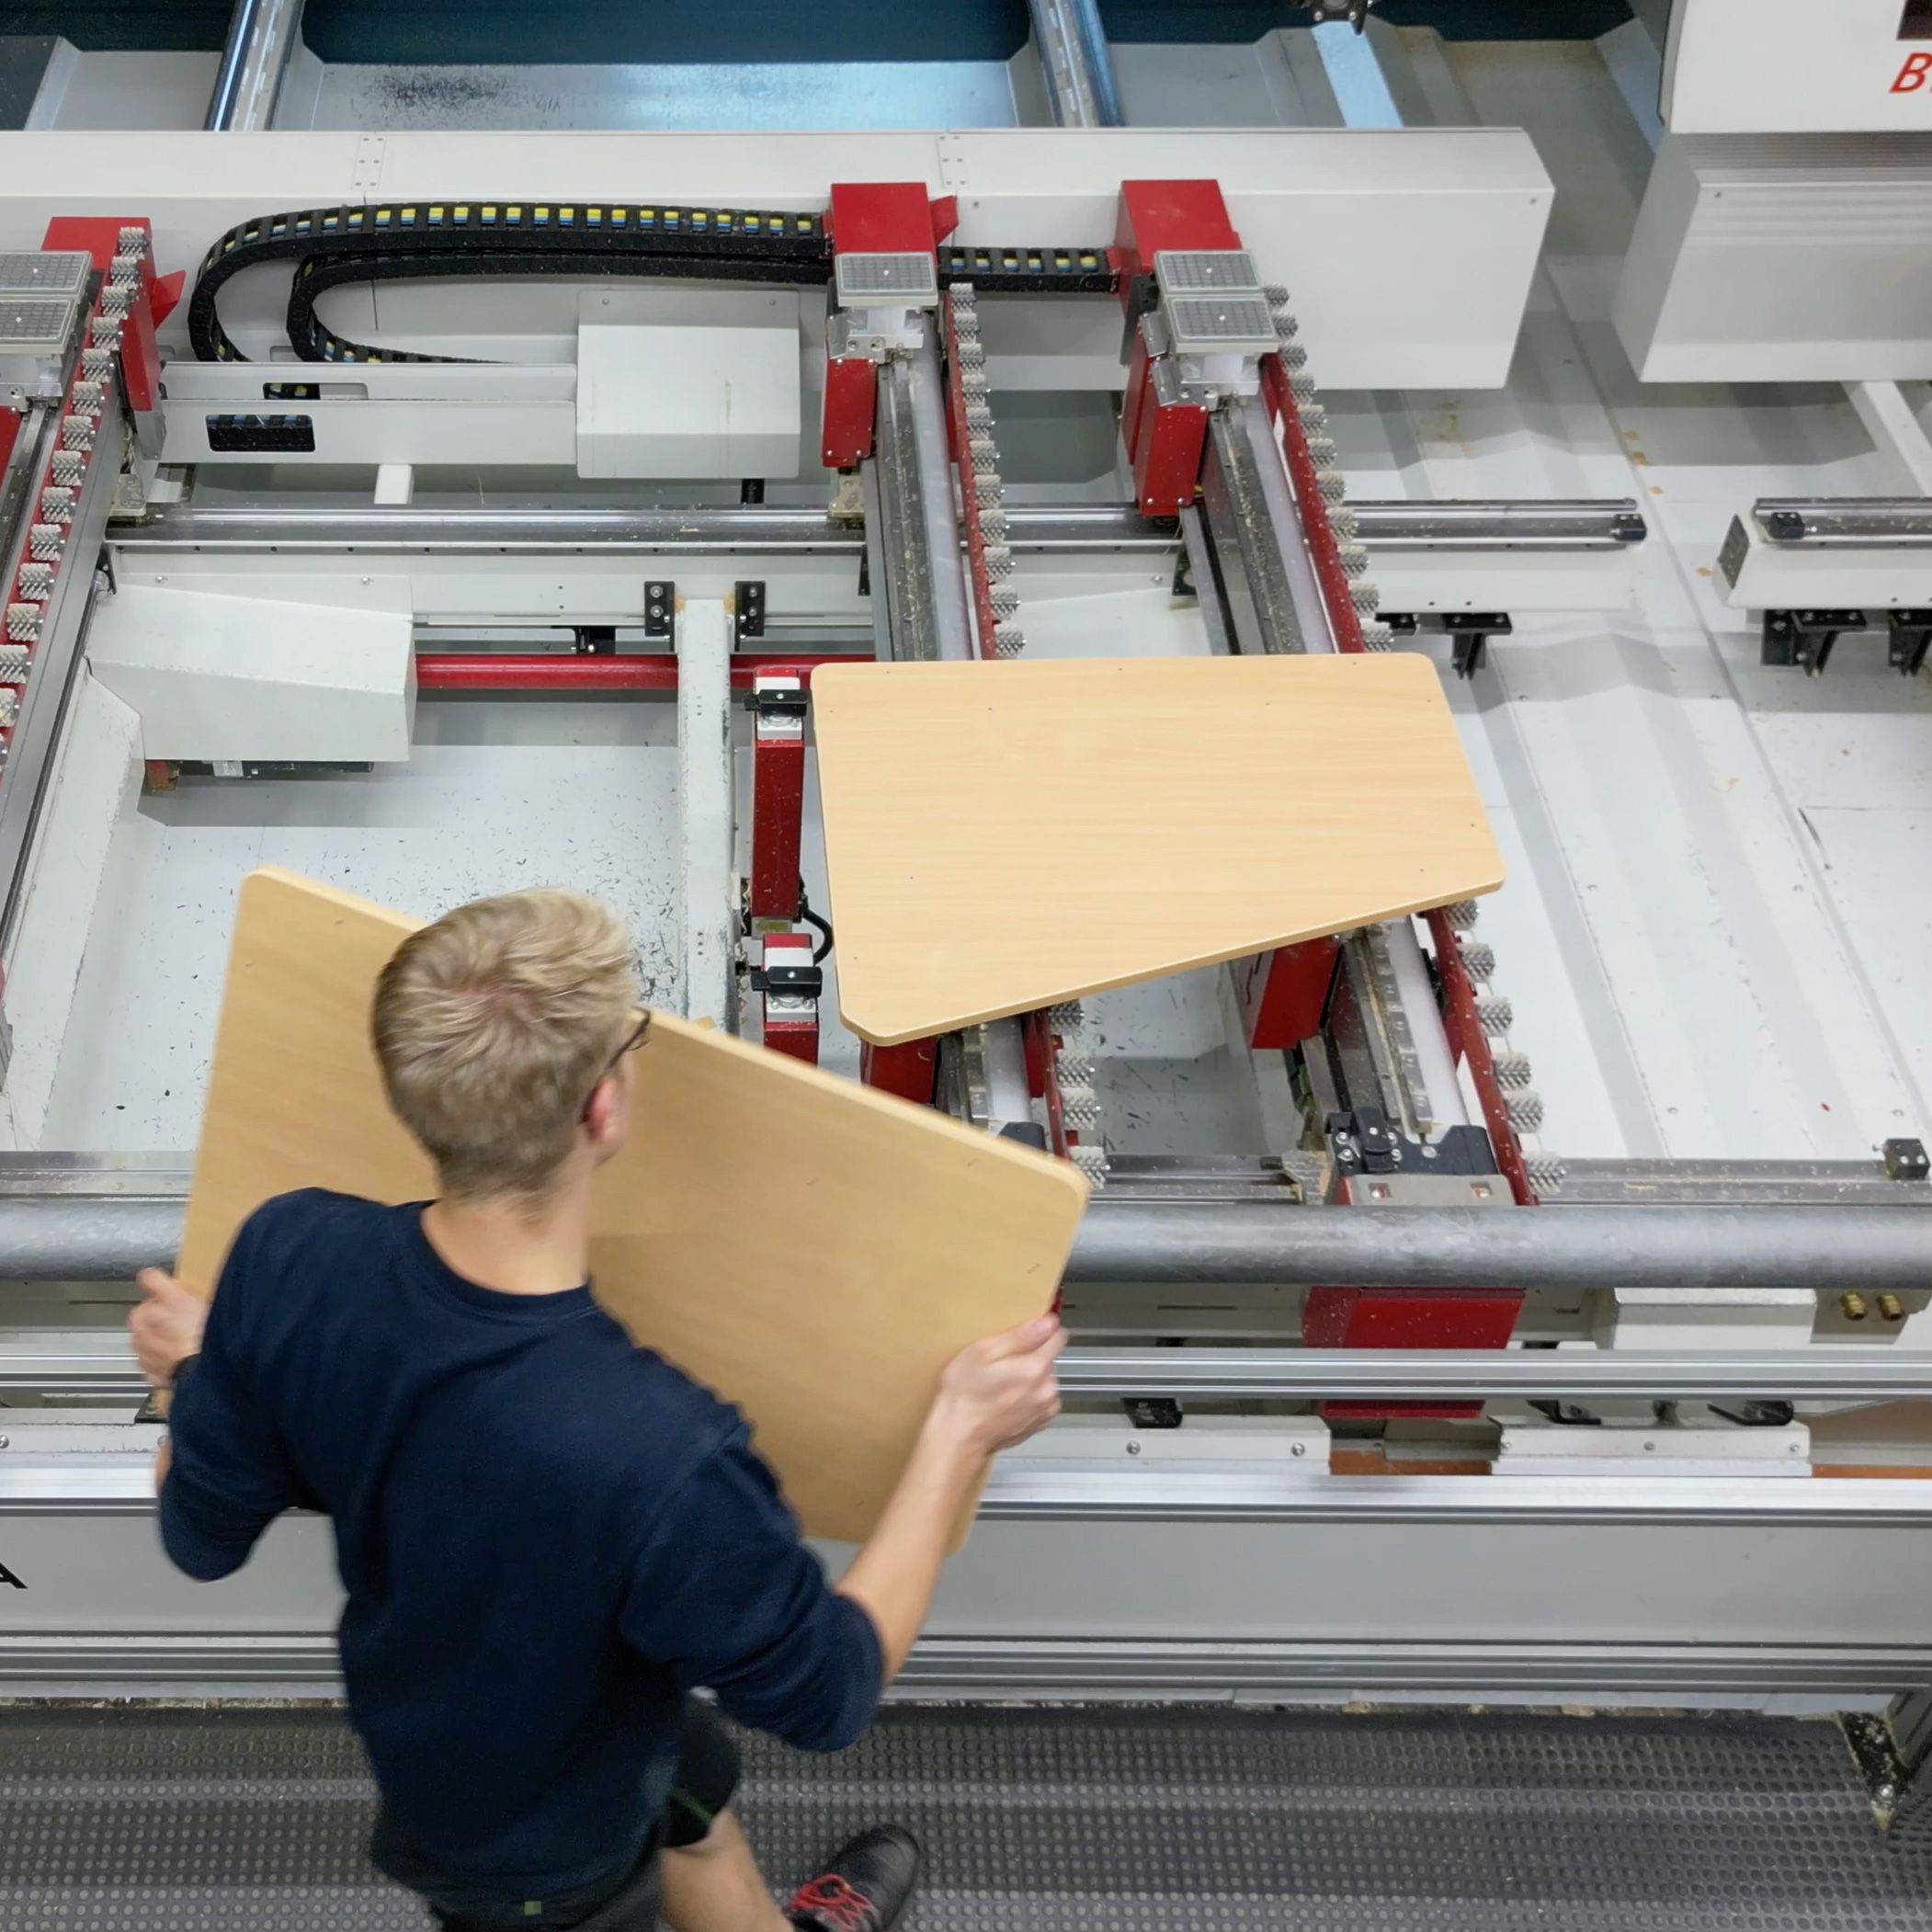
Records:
x=865, y=1887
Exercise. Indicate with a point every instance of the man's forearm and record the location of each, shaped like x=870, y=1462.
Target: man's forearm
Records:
x=892, y=1576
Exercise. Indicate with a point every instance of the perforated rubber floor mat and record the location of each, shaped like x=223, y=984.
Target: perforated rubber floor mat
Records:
x=1192, y=1820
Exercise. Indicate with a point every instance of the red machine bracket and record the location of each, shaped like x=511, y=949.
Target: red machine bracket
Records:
x=1285, y=992
x=788, y=1017
x=1165, y=434
x=911, y=1070
x=779, y=702
x=870, y=218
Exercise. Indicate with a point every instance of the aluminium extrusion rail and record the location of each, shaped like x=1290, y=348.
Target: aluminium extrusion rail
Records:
x=101, y=1367
x=91, y=1236
x=1038, y=1485
x=1853, y=1374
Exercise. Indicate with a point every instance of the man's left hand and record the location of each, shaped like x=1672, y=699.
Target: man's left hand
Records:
x=166, y=1325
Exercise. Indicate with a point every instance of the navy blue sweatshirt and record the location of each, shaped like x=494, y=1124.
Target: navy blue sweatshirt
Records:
x=547, y=1535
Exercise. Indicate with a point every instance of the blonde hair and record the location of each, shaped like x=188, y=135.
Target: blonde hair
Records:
x=494, y=1025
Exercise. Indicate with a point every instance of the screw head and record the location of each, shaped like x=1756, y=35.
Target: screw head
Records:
x=1298, y=1448
x=1133, y=1448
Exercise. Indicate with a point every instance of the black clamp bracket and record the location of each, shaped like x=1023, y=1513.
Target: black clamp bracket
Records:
x=1468, y=631
x=660, y=607
x=595, y=641
x=773, y=698
x=1364, y=1141
x=1906, y=1160
x=790, y=982
x=747, y=609
x=1910, y=640
x=1805, y=638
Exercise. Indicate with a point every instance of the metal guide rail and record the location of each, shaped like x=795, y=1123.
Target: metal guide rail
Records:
x=414, y=240
x=1031, y=528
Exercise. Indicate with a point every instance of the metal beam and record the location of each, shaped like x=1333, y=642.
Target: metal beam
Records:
x=1070, y=41
x=1434, y=528
x=79, y=1236
x=708, y=903
x=261, y=35
x=1557, y=1247
x=1847, y=1374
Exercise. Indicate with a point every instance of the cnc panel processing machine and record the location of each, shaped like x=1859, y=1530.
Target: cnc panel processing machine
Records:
x=1526, y=1307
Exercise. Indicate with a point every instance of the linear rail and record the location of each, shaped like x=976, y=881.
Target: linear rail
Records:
x=1837, y=1374
x=1463, y=527
x=1846, y=522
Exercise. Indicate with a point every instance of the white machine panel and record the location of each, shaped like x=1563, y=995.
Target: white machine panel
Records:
x=671, y=400
x=1795, y=66
x=1355, y=221
x=1766, y=259
x=230, y=678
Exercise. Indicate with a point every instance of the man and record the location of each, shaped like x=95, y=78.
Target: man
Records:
x=549, y=1539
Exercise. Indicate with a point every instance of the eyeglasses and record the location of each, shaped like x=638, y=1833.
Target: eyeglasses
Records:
x=633, y=1041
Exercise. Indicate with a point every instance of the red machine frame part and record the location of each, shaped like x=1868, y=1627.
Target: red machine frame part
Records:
x=1285, y=992
x=787, y=1030
x=1042, y=1045
x=1164, y=440
x=655, y=671
x=1408, y=1318
x=872, y=218
x=777, y=795
x=910, y=1070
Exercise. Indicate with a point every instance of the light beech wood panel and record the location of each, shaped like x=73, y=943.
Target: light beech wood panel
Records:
x=814, y=1251
x=1001, y=837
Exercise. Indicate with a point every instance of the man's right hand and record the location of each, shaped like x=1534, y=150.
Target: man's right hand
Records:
x=166, y=1325
x=999, y=1392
